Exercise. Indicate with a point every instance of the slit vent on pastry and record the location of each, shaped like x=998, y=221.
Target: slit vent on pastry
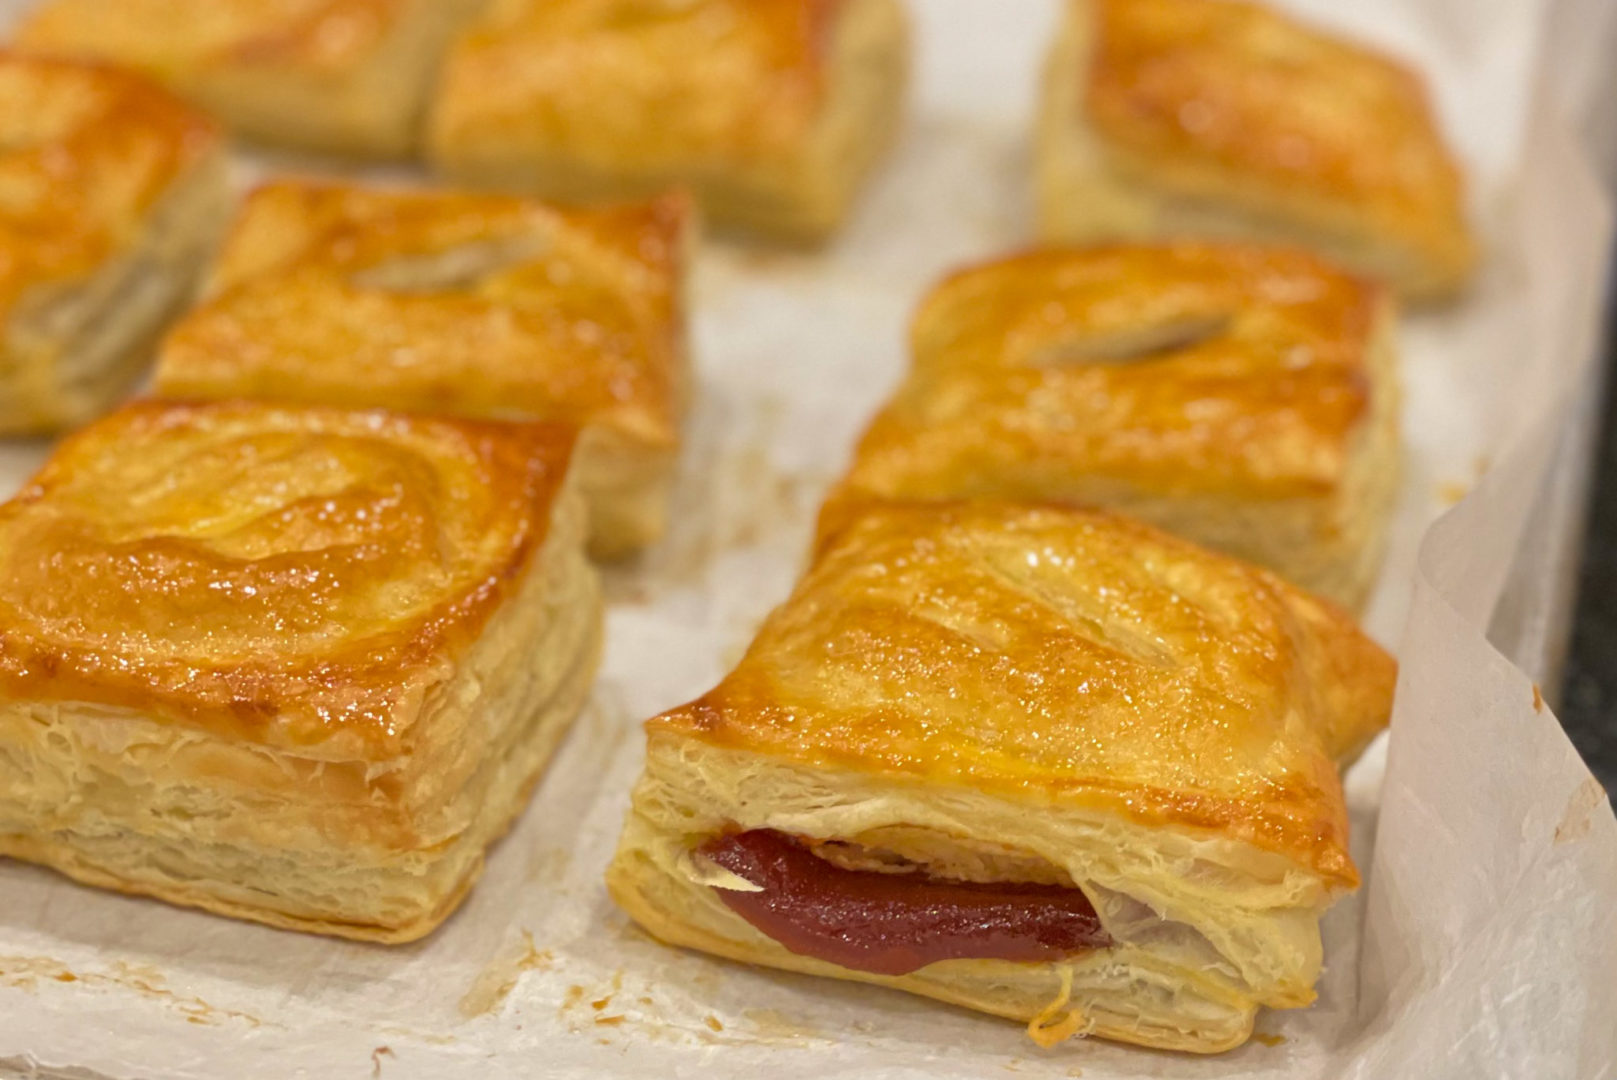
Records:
x=1245, y=397
x=1040, y=714
x=294, y=665
x=465, y=305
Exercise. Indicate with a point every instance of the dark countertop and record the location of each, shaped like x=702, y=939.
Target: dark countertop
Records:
x=1589, y=694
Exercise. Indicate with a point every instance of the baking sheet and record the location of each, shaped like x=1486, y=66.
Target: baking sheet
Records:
x=1485, y=942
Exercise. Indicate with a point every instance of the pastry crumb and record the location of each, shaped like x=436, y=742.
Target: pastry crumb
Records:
x=1578, y=817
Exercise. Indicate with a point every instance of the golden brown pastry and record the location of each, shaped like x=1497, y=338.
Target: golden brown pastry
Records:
x=1046, y=763
x=771, y=111
x=1174, y=118
x=1244, y=397
x=111, y=194
x=344, y=76
x=473, y=305
x=300, y=666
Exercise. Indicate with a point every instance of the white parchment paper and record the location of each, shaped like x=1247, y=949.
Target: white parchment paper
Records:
x=1485, y=941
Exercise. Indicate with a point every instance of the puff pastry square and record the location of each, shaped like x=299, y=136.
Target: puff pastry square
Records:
x=1172, y=118
x=300, y=666
x=1101, y=732
x=342, y=76
x=474, y=305
x=1244, y=397
x=771, y=111
x=111, y=194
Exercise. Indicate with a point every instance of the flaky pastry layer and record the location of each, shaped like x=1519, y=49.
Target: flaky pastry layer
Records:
x=1164, y=119
x=297, y=666
x=774, y=131
x=379, y=849
x=340, y=76
x=111, y=195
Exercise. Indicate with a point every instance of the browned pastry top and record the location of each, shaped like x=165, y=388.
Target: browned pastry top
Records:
x=293, y=577
x=1235, y=370
x=1060, y=656
x=619, y=83
x=476, y=305
x=1232, y=87
x=179, y=38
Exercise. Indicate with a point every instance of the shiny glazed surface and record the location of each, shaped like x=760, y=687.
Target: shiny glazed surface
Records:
x=427, y=301
x=1190, y=368
x=612, y=82
x=85, y=153
x=1062, y=656
x=896, y=923
x=290, y=576
x=1235, y=86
